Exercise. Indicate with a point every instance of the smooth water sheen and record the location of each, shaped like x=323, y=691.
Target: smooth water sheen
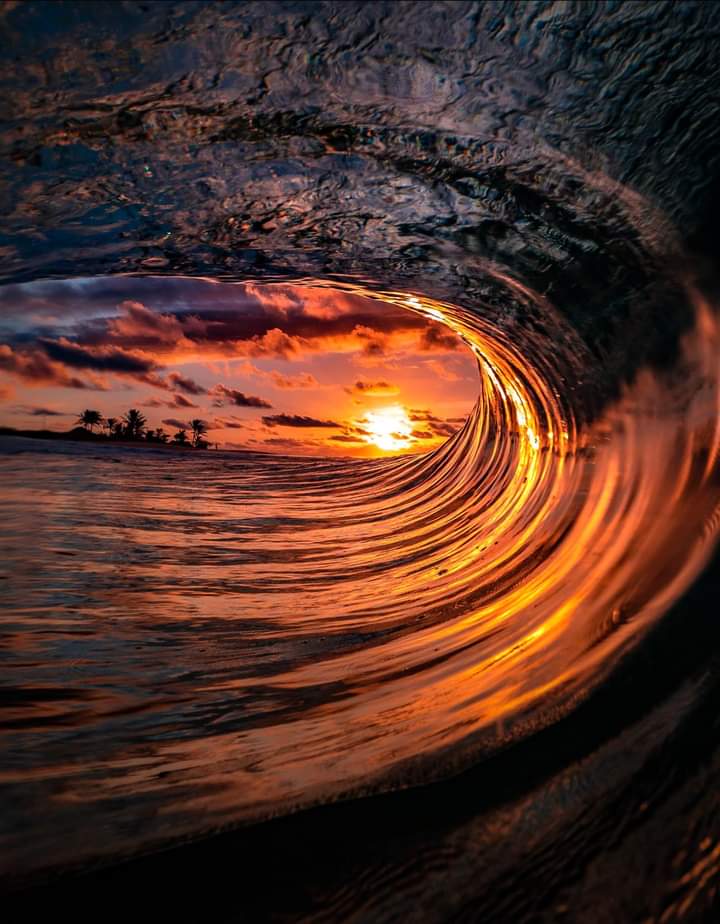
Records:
x=192, y=643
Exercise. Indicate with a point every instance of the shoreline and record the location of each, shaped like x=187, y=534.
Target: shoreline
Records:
x=95, y=439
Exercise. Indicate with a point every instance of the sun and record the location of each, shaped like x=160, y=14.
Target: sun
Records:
x=388, y=428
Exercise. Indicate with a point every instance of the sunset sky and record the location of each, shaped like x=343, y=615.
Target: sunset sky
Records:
x=272, y=368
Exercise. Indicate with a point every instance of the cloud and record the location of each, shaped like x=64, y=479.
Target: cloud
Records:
x=441, y=370
x=182, y=401
x=223, y=395
x=200, y=322
x=185, y=384
x=347, y=438
x=192, y=316
x=263, y=329
x=278, y=379
x=40, y=411
x=177, y=401
x=373, y=342
x=416, y=414
x=178, y=424
x=295, y=420
x=217, y=424
x=224, y=423
x=275, y=343
x=304, y=380
x=434, y=426
x=439, y=339
x=107, y=359
x=34, y=367
x=144, y=328
x=373, y=389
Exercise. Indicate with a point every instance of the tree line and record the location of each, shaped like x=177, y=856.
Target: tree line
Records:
x=133, y=426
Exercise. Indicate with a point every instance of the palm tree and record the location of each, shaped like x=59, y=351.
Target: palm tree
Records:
x=110, y=425
x=199, y=429
x=134, y=423
x=90, y=419
x=161, y=436
x=181, y=438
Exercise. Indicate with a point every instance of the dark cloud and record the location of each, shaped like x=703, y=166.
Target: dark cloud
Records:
x=439, y=339
x=303, y=380
x=181, y=401
x=434, y=426
x=36, y=368
x=223, y=423
x=346, y=438
x=185, y=424
x=108, y=360
x=295, y=420
x=270, y=333
x=223, y=395
x=374, y=342
x=420, y=415
x=372, y=389
x=177, y=401
x=126, y=326
x=275, y=342
x=40, y=412
x=178, y=424
x=187, y=385
x=139, y=327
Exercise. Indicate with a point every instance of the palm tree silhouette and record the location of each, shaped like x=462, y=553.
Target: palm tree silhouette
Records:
x=199, y=429
x=181, y=438
x=161, y=436
x=110, y=425
x=134, y=423
x=90, y=419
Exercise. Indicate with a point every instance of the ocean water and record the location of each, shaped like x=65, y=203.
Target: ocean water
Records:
x=495, y=666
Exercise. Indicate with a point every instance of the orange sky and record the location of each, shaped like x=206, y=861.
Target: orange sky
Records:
x=273, y=368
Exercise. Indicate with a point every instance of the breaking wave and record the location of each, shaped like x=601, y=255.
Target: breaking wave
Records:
x=192, y=645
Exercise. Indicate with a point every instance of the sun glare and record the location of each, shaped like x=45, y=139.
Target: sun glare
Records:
x=388, y=428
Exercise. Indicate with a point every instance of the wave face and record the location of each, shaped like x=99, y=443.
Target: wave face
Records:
x=193, y=644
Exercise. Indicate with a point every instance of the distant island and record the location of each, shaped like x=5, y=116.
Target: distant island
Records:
x=130, y=429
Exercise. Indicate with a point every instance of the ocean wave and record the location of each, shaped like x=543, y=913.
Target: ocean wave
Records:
x=199, y=644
